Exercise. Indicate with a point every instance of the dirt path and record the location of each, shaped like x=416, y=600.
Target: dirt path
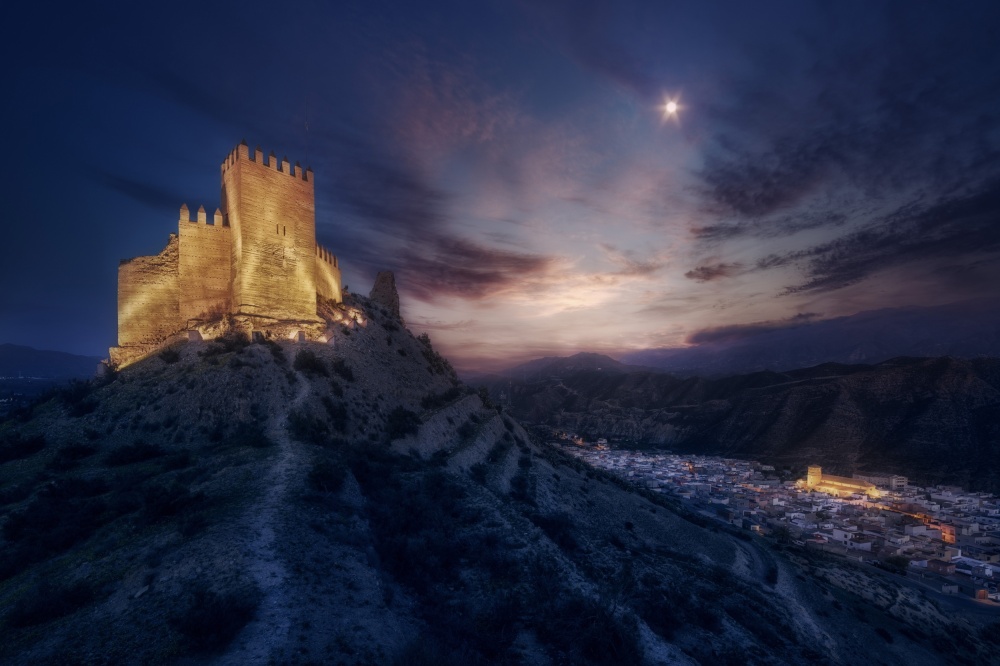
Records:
x=263, y=640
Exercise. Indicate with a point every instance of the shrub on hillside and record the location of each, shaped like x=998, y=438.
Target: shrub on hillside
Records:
x=249, y=434
x=165, y=500
x=276, y=351
x=170, y=356
x=436, y=363
x=308, y=429
x=343, y=370
x=129, y=454
x=326, y=476
x=437, y=400
x=591, y=633
x=69, y=456
x=337, y=413
x=232, y=342
x=401, y=422
x=78, y=398
x=62, y=514
x=15, y=446
x=45, y=602
x=210, y=620
x=478, y=472
x=558, y=527
x=306, y=361
x=467, y=431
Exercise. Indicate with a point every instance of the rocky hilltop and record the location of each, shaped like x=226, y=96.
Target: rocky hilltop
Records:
x=935, y=420
x=353, y=503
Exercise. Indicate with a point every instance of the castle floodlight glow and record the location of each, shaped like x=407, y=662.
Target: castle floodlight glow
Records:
x=256, y=267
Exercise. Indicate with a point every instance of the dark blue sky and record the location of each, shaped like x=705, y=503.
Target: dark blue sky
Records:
x=511, y=162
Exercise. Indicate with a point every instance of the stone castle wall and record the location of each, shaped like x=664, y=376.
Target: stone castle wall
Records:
x=258, y=261
x=148, y=304
x=271, y=210
x=328, y=275
x=204, y=273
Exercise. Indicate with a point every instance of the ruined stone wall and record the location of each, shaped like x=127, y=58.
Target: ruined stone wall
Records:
x=204, y=272
x=148, y=297
x=271, y=211
x=327, y=275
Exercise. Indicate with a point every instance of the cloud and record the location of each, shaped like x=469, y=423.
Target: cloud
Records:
x=714, y=272
x=438, y=325
x=878, y=150
x=947, y=230
x=454, y=267
x=145, y=193
x=388, y=195
x=740, y=332
x=628, y=263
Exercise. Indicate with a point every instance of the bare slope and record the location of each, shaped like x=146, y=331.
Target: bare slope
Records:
x=352, y=503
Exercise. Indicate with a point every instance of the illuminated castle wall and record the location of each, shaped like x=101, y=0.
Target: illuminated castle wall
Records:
x=838, y=486
x=258, y=260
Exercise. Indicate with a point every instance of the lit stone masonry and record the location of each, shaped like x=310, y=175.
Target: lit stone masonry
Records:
x=838, y=486
x=255, y=268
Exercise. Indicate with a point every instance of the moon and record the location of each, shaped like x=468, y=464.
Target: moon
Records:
x=670, y=108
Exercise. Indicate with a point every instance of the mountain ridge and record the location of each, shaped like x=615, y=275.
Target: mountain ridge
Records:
x=43, y=363
x=907, y=414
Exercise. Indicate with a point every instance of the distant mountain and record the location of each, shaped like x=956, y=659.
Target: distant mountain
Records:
x=18, y=360
x=936, y=420
x=961, y=330
x=558, y=366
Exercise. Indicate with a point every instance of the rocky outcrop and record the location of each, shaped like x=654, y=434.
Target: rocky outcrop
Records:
x=384, y=293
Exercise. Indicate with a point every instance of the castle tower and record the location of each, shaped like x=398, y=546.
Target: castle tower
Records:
x=814, y=475
x=272, y=214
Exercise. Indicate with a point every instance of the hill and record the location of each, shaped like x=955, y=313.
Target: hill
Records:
x=18, y=360
x=935, y=420
x=234, y=503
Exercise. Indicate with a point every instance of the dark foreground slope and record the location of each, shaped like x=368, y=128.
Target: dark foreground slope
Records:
x=350, y=503
x=935, y=420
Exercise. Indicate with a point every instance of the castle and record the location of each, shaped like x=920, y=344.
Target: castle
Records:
x=256, y=266
x=838, y=486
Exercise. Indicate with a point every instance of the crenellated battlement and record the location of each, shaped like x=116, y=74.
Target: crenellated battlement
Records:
x=326, y=255
x=201, y=218
x=243, y=153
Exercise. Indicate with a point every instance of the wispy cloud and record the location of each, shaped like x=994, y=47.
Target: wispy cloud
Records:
x=739, y=332
x=714, y=272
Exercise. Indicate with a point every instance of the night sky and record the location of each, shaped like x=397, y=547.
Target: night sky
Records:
x=511, y=162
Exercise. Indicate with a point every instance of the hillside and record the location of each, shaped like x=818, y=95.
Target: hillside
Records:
x=935, y=420
x=234, y=503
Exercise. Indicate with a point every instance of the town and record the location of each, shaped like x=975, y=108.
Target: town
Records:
x=944, y=537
